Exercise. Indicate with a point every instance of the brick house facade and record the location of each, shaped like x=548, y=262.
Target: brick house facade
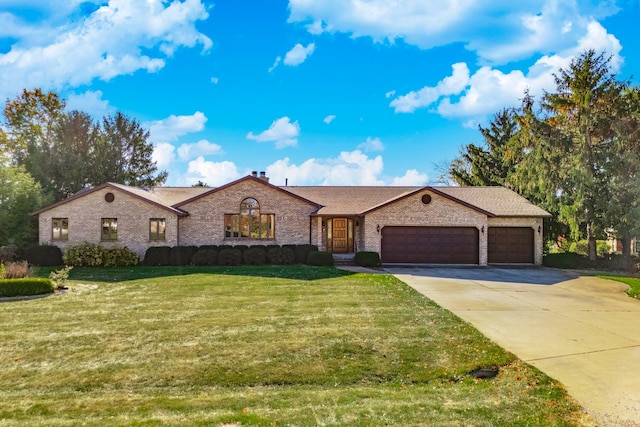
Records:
x=474, y=225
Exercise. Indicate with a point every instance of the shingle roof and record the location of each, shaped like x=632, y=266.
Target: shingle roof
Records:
x=498, y=201
x=175, y=195
x=346, y=200
x=349, y=200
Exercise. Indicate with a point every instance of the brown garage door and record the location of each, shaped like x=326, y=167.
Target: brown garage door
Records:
x=430, y=245
x=510, y=245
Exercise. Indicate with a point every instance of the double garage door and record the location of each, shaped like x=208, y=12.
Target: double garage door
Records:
x=455, y=245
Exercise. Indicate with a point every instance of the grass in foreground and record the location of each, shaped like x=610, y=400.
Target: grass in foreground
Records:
x=257, y=346
x=633, y=282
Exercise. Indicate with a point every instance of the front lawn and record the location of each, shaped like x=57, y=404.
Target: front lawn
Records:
x=633, y=282
x=263, y=346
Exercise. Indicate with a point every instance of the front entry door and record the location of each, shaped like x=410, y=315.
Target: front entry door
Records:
x=340, y=236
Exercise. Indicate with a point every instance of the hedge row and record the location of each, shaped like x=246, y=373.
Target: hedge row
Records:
x=93, y=255
x=572, y=260
x=367, y=259
x=229, y=255
x=25, y=287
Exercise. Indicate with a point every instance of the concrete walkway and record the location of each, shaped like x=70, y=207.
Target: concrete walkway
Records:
x=582, y=331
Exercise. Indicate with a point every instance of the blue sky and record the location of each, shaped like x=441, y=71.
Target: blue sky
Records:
x=317, y=92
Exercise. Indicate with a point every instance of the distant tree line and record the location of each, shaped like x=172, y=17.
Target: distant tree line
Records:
x=48, y=153
x=574, y=152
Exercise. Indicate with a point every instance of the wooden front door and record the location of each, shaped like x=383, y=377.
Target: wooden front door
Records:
x=340, y=236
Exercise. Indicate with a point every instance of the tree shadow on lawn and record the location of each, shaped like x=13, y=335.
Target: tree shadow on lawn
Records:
x=121, y=274
x=526, y=274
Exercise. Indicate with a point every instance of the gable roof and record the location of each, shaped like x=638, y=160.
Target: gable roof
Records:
x=349, y=200
x=246, y=178
x=141, y=193
x=355, y=200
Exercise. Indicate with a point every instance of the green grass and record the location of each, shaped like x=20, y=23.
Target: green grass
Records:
x=633, y=282
x=263, y=346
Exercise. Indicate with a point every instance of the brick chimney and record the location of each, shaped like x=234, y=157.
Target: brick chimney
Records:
x=263, y=176
x=254, y=174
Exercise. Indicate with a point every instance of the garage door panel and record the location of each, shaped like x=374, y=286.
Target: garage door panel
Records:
x=430, y=245
x=510, y=245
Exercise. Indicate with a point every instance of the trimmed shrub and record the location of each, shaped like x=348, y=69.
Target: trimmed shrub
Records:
x=181, y=255
x=367, y=259
x=44, y=256
x=254, y=256
x=241, y=248
x=120, y=257
x=565, y=260
x=216, y=247
x=320, y=259
x=302, y=252
x=157, y=255
x=281, y=255
x=25, y=287
x=206, y=256
x=14, y=270
x=230, y=256
x=84, y=255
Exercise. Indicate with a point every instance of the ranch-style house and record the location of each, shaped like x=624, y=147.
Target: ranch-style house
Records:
x=432, y=225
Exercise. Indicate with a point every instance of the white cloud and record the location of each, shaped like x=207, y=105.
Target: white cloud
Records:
x=390, y=94
x=275, y=63
x=282, y=132
x=69, y=51
x=454, y=84
x=213, y=173
x=372, y=144
x=200, y=148
x=163, y=154
x=90, y=102
x=215, y=80
x=173, y=127
x=489, y=89
x=349, y=168
x=411, y=177
x=298, y=54
x=499, y=32
x=163, y=132
x=598, y=39
x=329, y=118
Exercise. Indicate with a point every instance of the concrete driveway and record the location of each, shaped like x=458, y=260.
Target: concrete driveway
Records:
x=582, y=331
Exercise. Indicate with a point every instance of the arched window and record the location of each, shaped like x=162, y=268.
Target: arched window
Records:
x=249, y=223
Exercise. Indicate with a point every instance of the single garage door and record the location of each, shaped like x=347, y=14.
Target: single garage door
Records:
x=510, y=245
x=430, y=245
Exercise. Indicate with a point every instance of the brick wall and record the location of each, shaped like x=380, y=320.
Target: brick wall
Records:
x=85, y=214
x=440, y=212
x=205, y=223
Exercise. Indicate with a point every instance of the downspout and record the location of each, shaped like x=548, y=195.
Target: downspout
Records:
x=178, y=218
x=310, y=227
